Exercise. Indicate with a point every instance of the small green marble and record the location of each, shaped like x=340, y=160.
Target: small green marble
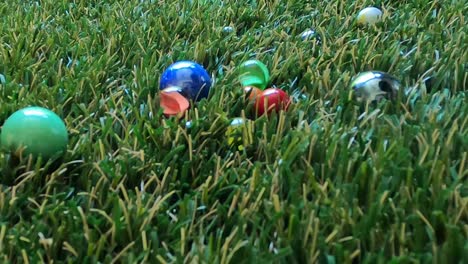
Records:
x=234, y=133
x=36, y=131
x=254, y=73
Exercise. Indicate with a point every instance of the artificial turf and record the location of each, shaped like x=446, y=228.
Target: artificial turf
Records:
x=329, y=181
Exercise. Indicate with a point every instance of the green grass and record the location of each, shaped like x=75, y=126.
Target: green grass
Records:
x=330, y=181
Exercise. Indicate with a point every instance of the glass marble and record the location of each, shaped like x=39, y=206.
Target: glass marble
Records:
x=311, y=34
x=173, y=102
x=254, y=73
x=228, y=29
x=272, y=99
x=252, y=93
x=190, y=76
x=36, y=131
x=369, y=15
x=374, y=86
x=234, y=133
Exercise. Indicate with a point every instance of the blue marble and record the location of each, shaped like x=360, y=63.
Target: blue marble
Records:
x=191, y=77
